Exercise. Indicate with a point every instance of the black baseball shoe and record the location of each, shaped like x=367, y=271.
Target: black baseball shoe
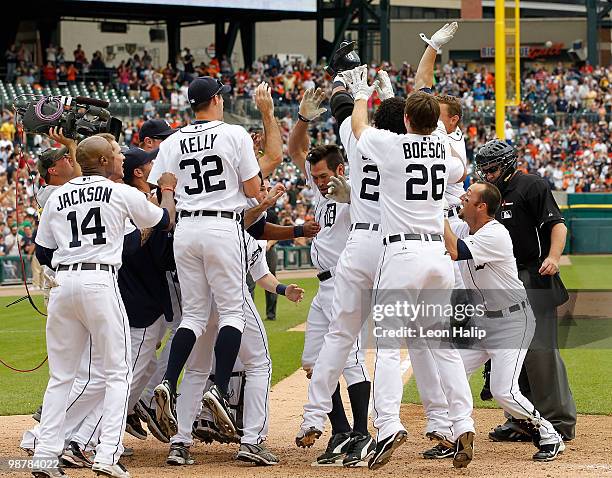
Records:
x=148, y=415
x=307, y=436
x=336, y=449
x=207, y=431
x=441, y=450
x=465, y=450
x=257, y=454
x=75, y=457
x=134, y=427
x=219, y=406
x=179, y=455
x=360, y=449
x=485, y=393
x=549, y=452
x=165, y=399
x=385, y=448
x=513, y=431
x=37, y=414
x=344, y=58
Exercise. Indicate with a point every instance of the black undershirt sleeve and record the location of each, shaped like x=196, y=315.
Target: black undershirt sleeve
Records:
x=44, y=255
x=164, y=221
x=463, y=251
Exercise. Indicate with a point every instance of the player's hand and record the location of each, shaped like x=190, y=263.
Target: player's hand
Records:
x=441, y=37
x=167, y=180
x=357, y=82
x=310, y=106
x=274, y=195
x=263, y=99
x=311, y=228
x=338, y=189
x=294, y=293
x=550, y=267
x=57, y=134
x=384, y=87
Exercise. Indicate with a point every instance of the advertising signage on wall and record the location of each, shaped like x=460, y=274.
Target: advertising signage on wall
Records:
x=530, y=52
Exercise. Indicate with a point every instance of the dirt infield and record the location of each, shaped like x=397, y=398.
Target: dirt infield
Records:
x=590, y=455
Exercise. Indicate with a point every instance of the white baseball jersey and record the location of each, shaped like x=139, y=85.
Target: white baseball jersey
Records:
x=492, y=270
x=85, y=220
x=454, y=191
x=335, y=221
x=256, y=254
x=210, y=160
x=363, y=178
x=414, y=171
x=44, y=193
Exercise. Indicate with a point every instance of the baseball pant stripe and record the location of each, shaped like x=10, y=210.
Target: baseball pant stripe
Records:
x=88, y=379
x=382, y=260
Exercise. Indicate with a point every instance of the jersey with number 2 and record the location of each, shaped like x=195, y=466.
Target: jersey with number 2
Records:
x=210, y=160
x=414, y=171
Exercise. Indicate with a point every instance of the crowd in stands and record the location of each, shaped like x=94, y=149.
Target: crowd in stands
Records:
x=562, y=128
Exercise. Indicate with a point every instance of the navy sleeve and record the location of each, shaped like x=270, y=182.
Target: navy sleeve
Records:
x=342, y=105
x=427, y=90
x=164, y=221
x=257, y=229
x=463, y=251
x=44, y=255
x=131, y=242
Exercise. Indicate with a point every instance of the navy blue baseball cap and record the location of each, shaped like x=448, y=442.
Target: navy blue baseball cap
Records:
x=134, y=158
x=156, y=129
x=205, y=88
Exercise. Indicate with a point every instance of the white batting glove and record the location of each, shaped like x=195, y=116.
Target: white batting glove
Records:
x=441, y=37
x=384, y=87
x=357, y=82
x=310, y=106
x=338, y=189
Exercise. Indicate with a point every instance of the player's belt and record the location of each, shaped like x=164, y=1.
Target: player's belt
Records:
x=325, y=275
x=366, y=226
x=225, y=214
x=85, y=266
x=496, y=314
x=454, y=210
x=412, y=237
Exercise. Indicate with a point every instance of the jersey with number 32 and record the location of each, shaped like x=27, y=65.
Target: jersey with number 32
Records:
x=85, y=220
x=414, y=171
x=210, y=160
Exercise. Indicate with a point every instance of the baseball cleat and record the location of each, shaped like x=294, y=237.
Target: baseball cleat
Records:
x=385, y=448
x=437, y=436
x=549, y=452
x=29, y=451
x=115, y=471
x=127, y=452
x=513, y=430
x=48, y=472
x=37, y=414
x=217, y=402
x=465, y=450
x=207, y=431
x=306, y=437
x=441, y=450
x=336, y=449
x=75, y=457
x=179, y=455
x=148, y=415
x=165, y=398
x=257, y=454
x=360, y=449
x=485, y=393
x=134, y=427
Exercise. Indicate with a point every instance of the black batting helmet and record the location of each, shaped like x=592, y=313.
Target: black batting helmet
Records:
x=496, y=155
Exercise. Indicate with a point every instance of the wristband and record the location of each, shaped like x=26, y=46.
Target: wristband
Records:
x=280, y=289
x=298, y=231
x=301, y=118
x=167, y=188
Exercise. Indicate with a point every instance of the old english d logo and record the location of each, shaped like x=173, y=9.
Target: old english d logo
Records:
x=330, y=215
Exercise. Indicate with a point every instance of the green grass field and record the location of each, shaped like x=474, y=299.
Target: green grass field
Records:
x=22, y=344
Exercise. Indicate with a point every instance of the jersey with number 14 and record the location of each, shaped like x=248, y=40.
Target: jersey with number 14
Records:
x=85, y=220
x=363, y=178
x=414, y=171
x=210, y=160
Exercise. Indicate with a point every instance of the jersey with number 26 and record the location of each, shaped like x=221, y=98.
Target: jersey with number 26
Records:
x=85, y=220
x=210, y=160
x=414, y=171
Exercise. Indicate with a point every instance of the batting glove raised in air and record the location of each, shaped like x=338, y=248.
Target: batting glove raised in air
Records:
x=310, y=106
x=338, y=189
x=384, y=87
x=441, y=37
x=357, y=82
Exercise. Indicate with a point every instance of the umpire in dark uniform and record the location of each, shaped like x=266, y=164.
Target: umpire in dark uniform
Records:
x=538, y=233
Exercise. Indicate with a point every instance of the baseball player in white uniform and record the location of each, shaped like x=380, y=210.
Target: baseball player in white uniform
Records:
x=414, y=170
x=483, y=249
x=255, y=359
x=81, y=236
x=216, y=171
